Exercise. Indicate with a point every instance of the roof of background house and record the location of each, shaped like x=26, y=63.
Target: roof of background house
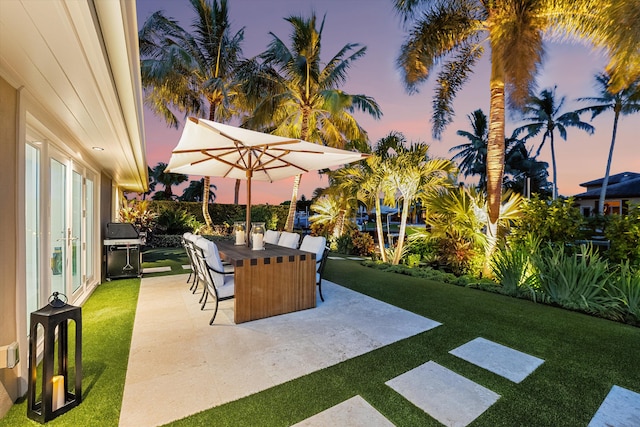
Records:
x=613, y=179
x=627, y=187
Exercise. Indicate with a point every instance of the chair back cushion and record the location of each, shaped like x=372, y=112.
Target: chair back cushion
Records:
x=271, y=236
x=314, y=244
x=212, y=257
x=289, y=240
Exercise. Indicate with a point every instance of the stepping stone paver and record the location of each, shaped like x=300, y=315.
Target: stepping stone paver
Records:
x=354, y=412
x=497, y=358
x=448, y=397
x=621, y=408
x=186, y=267
x=339, y=258
x=156, y=269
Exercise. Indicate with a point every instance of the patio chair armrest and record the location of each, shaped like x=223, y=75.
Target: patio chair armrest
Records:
x=219, y=272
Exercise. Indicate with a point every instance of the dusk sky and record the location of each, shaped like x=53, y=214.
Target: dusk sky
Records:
x=374, y=24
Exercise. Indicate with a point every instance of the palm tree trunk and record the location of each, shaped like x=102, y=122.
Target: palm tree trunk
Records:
x=236, y=192
x=553, y=167
x=205, y=201
x=383, y=255
x=495, y=158
x=339, y=226
x=403, y=228
x=304, y=133
x=605, y=181
x=292, y=207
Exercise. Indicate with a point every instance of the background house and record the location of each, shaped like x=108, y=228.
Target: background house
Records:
x=71, y=140
x=622, y=189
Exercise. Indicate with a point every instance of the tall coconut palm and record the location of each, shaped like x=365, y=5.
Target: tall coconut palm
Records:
x=544, y=114
x=409, y=174
x=193, y=72
x=304, y=100
x=473, y=155
x=622, y=37
x=456, y=31
x=168, y=180
x=622, y=103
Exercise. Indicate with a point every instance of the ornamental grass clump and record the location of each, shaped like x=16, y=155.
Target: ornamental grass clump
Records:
x=575, y=281
x=625, y=290
x=514, y=271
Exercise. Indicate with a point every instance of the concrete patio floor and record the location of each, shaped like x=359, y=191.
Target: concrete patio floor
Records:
x=179, y=365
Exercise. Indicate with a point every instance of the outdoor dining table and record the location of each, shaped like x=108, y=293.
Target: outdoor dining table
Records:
x=269, y=282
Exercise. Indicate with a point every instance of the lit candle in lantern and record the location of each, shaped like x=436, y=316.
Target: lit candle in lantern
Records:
x=240, y=237
x=58, y=397
x=257, y=241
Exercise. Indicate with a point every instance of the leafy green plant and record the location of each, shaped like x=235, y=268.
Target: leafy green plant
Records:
x=557, y=221
x=513, y=269
x=625, y=289
x=138, y=212
x=363, y=244
x=575, y=281
x=413, y=260
x=344, y=244
x=623, y=231
x=176, y=221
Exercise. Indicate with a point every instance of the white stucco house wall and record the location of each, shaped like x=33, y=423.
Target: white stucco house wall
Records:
x=71, y=141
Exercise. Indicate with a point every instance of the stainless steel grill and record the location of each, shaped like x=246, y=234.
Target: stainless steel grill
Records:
x=122, y=251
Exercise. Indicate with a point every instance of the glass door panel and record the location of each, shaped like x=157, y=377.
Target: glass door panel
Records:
x=89, y=231
x=58, y=226
x=32, y=228
x=75, y=234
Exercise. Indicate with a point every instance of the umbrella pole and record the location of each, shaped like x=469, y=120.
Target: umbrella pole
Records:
x=248, y=216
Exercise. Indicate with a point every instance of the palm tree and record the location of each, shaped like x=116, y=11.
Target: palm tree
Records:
x=622, y=37
x=622, y=103
x=543, y=113
x=152, y=183
x=167, y=180
x=411, y=174
x=193, y=72
x=473, y=155
x=367, y=179
x=455, y=31
x=304, y=100
x=194, y=192
x=520, y=167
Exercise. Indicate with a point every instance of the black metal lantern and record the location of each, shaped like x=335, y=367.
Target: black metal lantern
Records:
x=56, y=399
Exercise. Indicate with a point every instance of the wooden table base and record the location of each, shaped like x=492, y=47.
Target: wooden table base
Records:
x=271, y=282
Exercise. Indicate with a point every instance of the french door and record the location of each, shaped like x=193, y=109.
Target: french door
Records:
x=71, y=252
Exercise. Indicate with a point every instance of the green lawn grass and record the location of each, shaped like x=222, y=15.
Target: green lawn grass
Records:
x=107, y=326
x=584, y=356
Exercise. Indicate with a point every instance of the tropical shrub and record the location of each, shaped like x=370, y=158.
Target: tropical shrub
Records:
x=625, y=289
x=623, y=231
x=574, y=281
x=174, y=222
x=513, y=270
x=138, y=212
x=344, y=244
x=363, y=244
x=556, y=221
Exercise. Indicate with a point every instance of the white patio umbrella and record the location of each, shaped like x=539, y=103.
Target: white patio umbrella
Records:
x=209, y=148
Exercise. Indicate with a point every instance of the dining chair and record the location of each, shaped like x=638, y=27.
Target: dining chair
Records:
x=184, y=240
x=318, y=246
x=218, y=282
x=289, y=240
x=271, y=236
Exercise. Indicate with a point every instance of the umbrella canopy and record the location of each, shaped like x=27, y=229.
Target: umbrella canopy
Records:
x=209, y=148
